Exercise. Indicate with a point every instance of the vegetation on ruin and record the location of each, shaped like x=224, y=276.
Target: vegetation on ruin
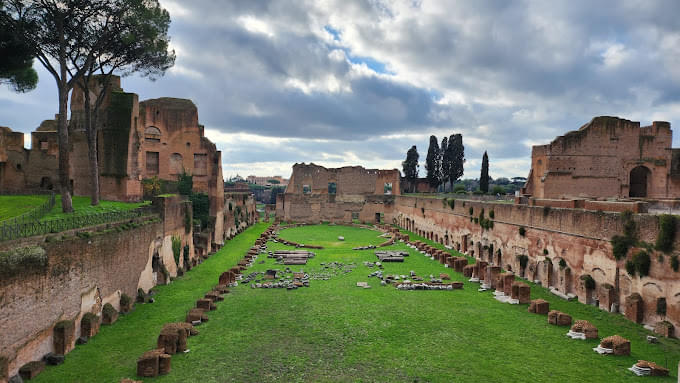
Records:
x=176, y=248
x=22, y=260
x=622, y=243
x=335, y=331
x=82, y=206
x=675, y=263
x=666, y=235
x=588, y=281
x=15, y=205
x=639, y=264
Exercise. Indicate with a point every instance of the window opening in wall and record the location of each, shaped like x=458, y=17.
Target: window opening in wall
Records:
x=355, y=215
x=152, y=134
x=152, y=163
x=200, y=164
x=332, y=188
x=44, y=145
x=387, y=188
x=306, y=189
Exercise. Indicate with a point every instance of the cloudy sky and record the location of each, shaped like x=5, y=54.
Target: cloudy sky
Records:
x=347, y=82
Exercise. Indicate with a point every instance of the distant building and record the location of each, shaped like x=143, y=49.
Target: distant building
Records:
x=316, y=194
x=608, y=157
x=267, y=181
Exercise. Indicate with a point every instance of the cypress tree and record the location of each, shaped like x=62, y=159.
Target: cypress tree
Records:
x=484, y=178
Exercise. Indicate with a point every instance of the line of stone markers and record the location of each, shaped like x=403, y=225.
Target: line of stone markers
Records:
x=173, y=337
x=516, y=292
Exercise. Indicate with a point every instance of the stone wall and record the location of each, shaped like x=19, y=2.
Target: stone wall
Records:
x=601, y=160
x=579, y=237
x=317, y=194
x=82, y=275
x=240, y=211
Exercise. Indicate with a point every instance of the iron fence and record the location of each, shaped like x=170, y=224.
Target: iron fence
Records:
x=10, y=230
x=34, y=214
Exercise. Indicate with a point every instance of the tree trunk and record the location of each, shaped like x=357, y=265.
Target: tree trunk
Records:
x=91, y=132
x=64, y=163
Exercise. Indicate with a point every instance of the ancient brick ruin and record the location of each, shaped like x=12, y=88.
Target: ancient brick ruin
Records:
x=608, y=157
x=316, y=194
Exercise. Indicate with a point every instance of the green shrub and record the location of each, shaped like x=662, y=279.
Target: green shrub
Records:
x=185, y=183
x=108, y=310
x=125, y=300
x=491, y=214
x=522, y=231
x=589, y=282
x=664, y=240
x=151, y=186
x=642, y=263
x=201, y=206
x=26, y=260
x=545, y=251
x=185, y=254
x=90, y=318
x=630, y=268
x=472, y=210
x=562, y=263
x=176, y=248
x=452, y=203
x=620, y=246
x=675, y=263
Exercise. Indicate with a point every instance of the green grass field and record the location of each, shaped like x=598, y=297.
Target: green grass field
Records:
x=15, y=205
x=334, y=331
x=82, y=206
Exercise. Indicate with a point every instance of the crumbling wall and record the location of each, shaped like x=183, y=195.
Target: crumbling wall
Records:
x=579, y=237
x=596, y=161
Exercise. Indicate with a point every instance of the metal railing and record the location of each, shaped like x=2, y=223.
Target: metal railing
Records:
x=34, y=214
x=9, y=231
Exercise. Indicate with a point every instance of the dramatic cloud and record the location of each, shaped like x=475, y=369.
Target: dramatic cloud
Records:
x=345, y=82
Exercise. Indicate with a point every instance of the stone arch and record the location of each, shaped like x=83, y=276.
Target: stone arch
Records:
x=152, y=134
x=652, y=287
x=639, y=181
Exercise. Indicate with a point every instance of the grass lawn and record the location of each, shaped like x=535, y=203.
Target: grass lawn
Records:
x=14, y=205
x=334, y=331
x=82, y=206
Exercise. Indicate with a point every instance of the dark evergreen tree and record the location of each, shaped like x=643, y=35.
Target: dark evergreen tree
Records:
x=484, y=177
x=410, y=166
x=444, y=165
x=432, y=163
x=455, y=154
x=16, y=66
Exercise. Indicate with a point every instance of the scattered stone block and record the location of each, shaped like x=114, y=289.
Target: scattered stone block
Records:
x=163, y=364
x=214, y=296
x=491, y=277
x=148, y=365
x=584, y=329
x=109, y=314
x=522, y=292
x=130, y=381
x=508, y=280
x=559, y=318
x=664, y=328
x=62, y=336
x=539, y=306
x=172, y=339
x=616, y=343
x=89, y=325
x=196, y=315
x=606, y=295
x=468, y=271
x=634, y=308
x=652, y=339
x=444, y=276
x=31, y=369
x=205, y=304
x=646, y=368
